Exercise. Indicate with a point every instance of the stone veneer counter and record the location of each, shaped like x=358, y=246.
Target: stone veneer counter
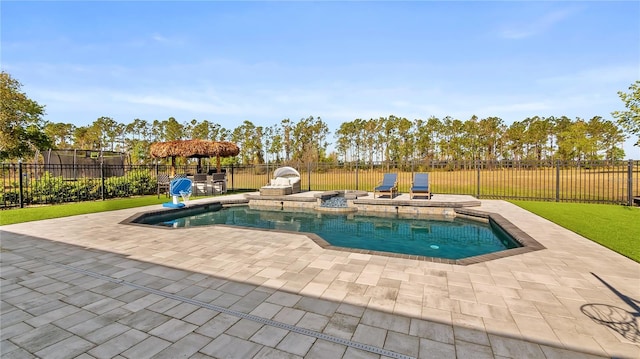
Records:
x=439, y=204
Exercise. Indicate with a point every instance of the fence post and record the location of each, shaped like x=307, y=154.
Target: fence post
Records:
x=157, y=184
x=357, y=174
x=102, y=179
x=21, y=194
x=557, y=180
x=478, y=178
x=309, y=174
x=630, y=182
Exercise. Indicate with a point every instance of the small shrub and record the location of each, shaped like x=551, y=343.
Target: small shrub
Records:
x=117, y=187
x=142, y=182
x=10, y=198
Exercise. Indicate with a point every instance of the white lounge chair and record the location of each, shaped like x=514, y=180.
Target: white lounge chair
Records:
x=286, y=181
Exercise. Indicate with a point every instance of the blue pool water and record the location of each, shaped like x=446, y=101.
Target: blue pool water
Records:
x=451, y=239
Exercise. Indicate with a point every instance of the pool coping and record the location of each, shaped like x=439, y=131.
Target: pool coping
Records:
x=528, y=243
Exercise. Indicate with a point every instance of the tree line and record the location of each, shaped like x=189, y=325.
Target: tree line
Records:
x=303, y=141
x=534, y=138
x=393, y=139
x=23, y=132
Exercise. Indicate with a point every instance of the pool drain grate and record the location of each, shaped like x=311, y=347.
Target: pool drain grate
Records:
x=255, y=318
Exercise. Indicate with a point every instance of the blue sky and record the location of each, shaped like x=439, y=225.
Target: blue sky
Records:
x=227, y=62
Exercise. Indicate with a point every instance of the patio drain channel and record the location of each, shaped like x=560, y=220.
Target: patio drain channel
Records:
x=255, y=318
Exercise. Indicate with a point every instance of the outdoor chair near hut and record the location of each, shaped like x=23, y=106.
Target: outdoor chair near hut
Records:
x=388, y=185
x=163, y=184
x=200, y=183
x=219, y=183
x=215, y=170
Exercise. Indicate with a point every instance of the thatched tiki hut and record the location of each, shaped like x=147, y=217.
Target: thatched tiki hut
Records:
x=193, y=149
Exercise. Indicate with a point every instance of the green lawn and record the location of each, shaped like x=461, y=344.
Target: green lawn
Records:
x=29, y=214
x=615, y=227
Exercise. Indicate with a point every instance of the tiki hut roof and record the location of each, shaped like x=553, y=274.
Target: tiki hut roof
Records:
x=194, y=149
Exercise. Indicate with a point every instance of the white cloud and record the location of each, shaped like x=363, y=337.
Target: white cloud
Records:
x=159, y=38
x=166, y=40
x=531, y=27
x=509, y=108
x=596, y=76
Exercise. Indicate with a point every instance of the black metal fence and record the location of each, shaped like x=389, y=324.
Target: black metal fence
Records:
x=577, y=181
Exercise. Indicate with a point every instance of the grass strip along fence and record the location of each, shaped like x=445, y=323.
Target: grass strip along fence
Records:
x=611, y=182
x=37, y=213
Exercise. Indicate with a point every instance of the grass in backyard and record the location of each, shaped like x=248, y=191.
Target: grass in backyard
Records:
x=615, y=227
x=29, y=214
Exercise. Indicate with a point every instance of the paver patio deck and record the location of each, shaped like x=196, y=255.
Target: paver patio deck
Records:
x=89, y=287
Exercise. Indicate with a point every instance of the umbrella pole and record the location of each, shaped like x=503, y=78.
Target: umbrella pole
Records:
x=173, y=166
x=218, y=166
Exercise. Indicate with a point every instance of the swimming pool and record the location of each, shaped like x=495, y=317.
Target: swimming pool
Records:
x=454, y=238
